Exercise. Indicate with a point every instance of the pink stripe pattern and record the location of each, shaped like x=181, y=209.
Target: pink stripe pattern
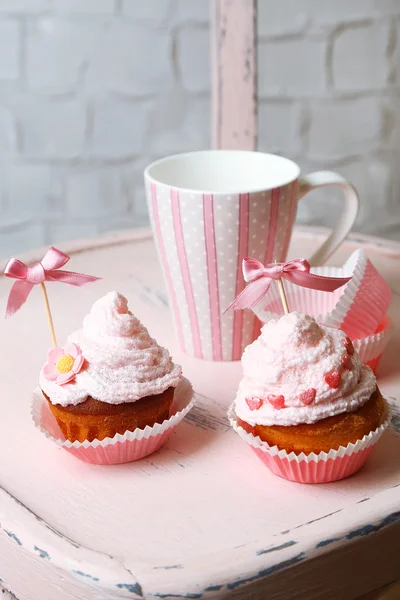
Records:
x=212, y=267
x=289, y=224
x=159, y=238
x=256, y=328
x=243, y=249
x=369, y=305
x=273, y=225
x=314, y=472
x=187, y=283
x=202, y=239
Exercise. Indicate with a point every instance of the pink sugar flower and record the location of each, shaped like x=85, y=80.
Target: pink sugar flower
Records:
x=63, y=364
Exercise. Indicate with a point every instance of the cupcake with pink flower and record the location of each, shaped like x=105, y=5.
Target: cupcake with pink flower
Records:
x=111, y=377
x=63, y=364
x=306, y=399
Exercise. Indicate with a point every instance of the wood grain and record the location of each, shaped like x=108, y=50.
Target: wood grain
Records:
x=201, y=518
x=234, y=74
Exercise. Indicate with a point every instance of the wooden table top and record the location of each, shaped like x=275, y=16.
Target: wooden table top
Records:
x=202, y=517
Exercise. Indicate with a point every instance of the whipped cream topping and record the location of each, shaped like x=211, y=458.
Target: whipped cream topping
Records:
x=309, y=366
x=122, y=361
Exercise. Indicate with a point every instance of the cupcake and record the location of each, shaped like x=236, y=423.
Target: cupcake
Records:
x=111, y=377
x=306, y=397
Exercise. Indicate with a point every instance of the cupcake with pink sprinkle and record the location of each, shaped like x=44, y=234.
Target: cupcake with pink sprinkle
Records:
x=306, y=404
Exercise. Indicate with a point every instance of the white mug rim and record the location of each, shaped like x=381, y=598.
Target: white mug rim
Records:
x=290, y=163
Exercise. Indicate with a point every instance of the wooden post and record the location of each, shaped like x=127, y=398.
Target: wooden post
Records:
x=234, y=88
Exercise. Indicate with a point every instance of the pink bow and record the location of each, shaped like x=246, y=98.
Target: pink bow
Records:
x=297, y=271
x=45, y=270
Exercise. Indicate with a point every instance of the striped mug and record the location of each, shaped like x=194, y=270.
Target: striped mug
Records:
x=208, y=211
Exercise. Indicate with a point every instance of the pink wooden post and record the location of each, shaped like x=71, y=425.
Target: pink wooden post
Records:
x=234, y=93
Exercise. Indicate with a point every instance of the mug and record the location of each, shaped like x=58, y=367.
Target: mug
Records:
x=209, y=210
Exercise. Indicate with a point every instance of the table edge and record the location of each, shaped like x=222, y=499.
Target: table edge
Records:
x=280, y=552
x=214, y=571
x=125, y=236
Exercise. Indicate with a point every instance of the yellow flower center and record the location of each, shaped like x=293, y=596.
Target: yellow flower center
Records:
x=65, y=363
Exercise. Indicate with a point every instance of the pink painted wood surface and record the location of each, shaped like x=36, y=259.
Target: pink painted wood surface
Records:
x=202, y=517
x=234, y=74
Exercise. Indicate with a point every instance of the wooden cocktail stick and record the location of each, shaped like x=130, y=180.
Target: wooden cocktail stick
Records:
x=49, y=317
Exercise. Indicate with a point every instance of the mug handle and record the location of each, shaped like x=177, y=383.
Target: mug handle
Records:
x=347, y=217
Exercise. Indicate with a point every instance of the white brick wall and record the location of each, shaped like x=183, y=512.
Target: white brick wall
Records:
x=119, y=128
x=58, y=52
x=279, y=126
x=10, y=35
x=329, y=85
x=93, y=90
x=51, y=130
x=292, y=67
x=350, y=126
x=8, y=133
x=155, y=12
x=359, y=57
x=132, y=59
x=194, y=58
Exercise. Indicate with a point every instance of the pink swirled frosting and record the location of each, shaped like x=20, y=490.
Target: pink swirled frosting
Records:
x=122, y=361
x=288, y=371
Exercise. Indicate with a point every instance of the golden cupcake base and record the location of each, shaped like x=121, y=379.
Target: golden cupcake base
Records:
x=93, y=419
x=326, y=434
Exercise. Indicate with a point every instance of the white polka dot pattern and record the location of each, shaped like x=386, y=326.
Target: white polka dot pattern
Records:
x=226, y=272
x=201, y=242
x=171, y=254
x=193, y=233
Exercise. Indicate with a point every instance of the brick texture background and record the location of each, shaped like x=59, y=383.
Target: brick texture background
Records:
x=93, y=90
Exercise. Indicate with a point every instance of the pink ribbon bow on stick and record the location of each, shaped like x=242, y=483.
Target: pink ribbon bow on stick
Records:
x=48, y=269
x=259, y=278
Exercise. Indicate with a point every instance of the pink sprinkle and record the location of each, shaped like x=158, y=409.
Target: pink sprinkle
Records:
x=346, y=362
x=333, y=379
x=277, y=402
x=253, y=403
x=308, y=396
x=349, y=345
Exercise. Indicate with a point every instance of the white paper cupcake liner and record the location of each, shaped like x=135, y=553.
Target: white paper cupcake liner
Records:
x=358, y=308
x=131, y=446
x=313, y=468
x=371, y=348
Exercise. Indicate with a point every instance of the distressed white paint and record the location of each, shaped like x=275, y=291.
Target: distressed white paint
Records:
x=234, y=74
x=203, y=505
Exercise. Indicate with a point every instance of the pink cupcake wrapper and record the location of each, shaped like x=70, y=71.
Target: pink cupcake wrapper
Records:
x=357, y=308
x=313, y=468
x=131, y=446
x=371, y=348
